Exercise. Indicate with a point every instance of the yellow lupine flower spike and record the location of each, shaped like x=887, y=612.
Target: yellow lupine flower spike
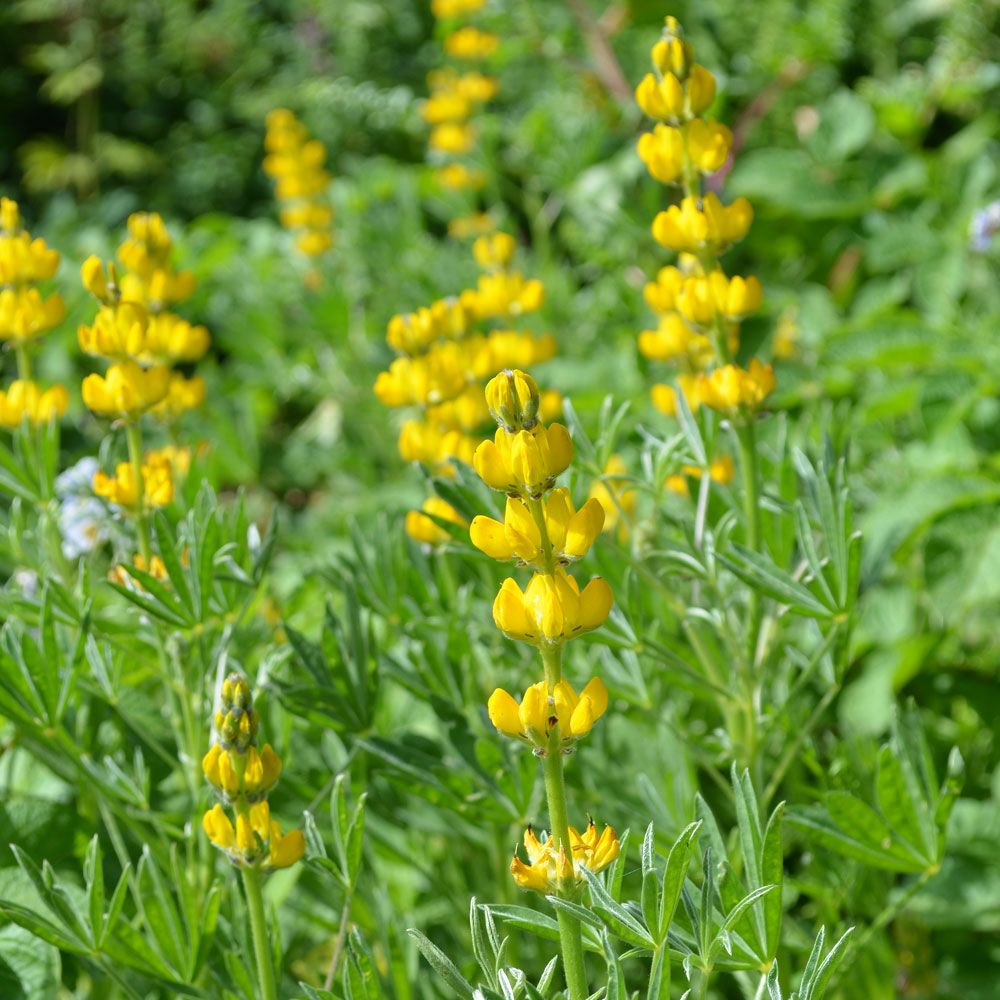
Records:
x=242, y=776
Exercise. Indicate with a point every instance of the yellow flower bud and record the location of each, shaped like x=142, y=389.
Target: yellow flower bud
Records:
x=10, y=216
x=421, y=528
x=512, y=398
x=494, y=251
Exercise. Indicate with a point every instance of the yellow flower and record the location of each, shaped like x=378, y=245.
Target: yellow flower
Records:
x=182, y=394
x=708, y=144
x=454, y=8
x=539, y=712
x=700, y=223
x=552, y=609
x=471, y=43
x=218, y=827
x=454, y=138
x=284, y=850
x=433, y=378
x=674, y=340
x=465, y=226
x=25, y=261
x=314, y=242
x=155, y=568
x=549, y=869
x=730, y=387
x=786, y=336
x=494, y=251
x=126, y=390
x=613, y=493
x=701, y=299
x=10, y=216
x=99, y=283
x=507, y=293
x=118, y=332
x=24, y=314
x=306, y=215
x=721, y=471
x=422, y=528
x=458, y=177
x=446, y=106
x=160, y=287
x=524, y=463
x=671, y=99
x=570, y=532
x=122, y=488
x=24, y=399
x=422, y=442
x=693, y=387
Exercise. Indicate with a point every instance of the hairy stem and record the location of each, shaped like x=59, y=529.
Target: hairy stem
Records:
x=258, y=928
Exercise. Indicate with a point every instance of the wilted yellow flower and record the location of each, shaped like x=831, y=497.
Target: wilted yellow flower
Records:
x=23, y=399
x=471, y=43
x=552, y=609
x=549, y=869
x=422, y=528
x=126, y=390
x=540, y=712
x=525, y=463
x=570, y=532
x=700, y=223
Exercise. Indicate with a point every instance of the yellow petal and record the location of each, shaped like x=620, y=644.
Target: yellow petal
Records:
x=503, y=712
x=488, y=536
x=595, y=604
x=584, y=526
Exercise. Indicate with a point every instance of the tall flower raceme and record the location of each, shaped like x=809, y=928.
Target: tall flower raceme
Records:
x=457, y=92
x=296, y=163
x=144, y=340
x=446, y=351
x=544, y=532
x=25, y=316
x=699, y=306
x=240, y=823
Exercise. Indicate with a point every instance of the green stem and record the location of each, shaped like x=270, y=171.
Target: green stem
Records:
x=23, y=362
x=134, y=437
x=258, y=928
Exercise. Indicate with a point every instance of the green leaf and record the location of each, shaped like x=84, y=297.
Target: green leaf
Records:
x=618, y=920
x=759, y=572
x=674, y=875
x=441, y=964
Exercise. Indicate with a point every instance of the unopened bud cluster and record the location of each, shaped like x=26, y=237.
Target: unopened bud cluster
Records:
x=242, y=776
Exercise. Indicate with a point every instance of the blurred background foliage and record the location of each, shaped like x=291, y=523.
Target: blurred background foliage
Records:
x=867, y=138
